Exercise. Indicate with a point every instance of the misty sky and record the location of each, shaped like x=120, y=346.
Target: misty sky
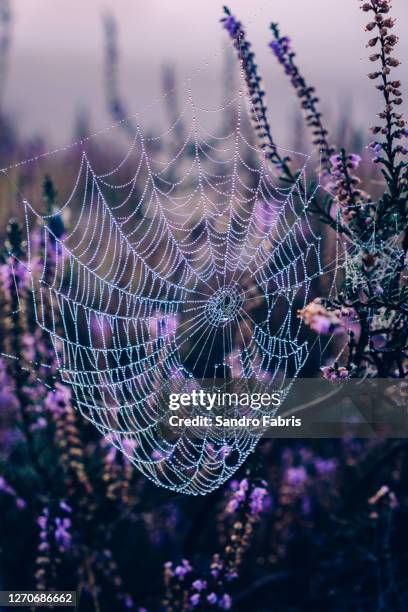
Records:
x=56, y=65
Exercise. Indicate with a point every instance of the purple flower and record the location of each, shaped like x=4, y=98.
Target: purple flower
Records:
x=239, y=495
x=6, y=488
x=62, y=535
x=296, y=476
x=42, y=522
x=256, y=500
x=225, y=602
x=234, y=484
x=335, y=161
x=195, y=599
x=224, y=451
x=64, y=506
x=354, y=161
x=255, y=92
x=325, y=467
x=39, y=424
x=183, y=569
x=20, y=503
x=199, y=585
x=376, y=146
x=334, y=373
x=56, y=401
x=232, y=25
x=212, y=598
x=158, y=455
x=281, y=49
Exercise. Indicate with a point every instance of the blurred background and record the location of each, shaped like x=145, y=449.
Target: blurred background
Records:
x=56, y=64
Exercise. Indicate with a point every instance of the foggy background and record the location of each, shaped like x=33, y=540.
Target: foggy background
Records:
x=57, y=57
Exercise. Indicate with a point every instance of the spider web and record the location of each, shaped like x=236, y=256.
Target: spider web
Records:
x=175, y=273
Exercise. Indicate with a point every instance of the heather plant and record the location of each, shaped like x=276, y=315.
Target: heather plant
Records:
x=73, y=504
x=327, y=515
x=60, y=479
x=373, y=295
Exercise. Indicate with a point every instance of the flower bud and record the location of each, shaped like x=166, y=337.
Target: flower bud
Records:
x=372, y=42
x=388, y=23
x=391, y=40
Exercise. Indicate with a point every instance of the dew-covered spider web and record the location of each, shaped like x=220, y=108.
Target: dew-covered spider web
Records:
x=173, y=271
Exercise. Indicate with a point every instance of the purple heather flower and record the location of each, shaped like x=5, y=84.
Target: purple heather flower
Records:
x=64, y=506
x=325, y=467
x=195, y=599
x=238, y=496
x=183, y=569
x=224, y=451
x=180, y=571
x=281, y=49
x=334, y=373
x=129, y=445
x=14, y=274
x=6, y=488
x=234, y=484
x=256, y=500
x=40, y=423
x=42, y=522
x=376, y=146
x=225, y=602
x=354, y=161
x=20, y=503
x=57, y=400
x=232, y=25
x=158, y=455
x=296, y=476
x=199, y=585
x=233, y=506
x=62, y=535
x=212, y=598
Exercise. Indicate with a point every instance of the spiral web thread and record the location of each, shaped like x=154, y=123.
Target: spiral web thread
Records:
x=174, y=273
